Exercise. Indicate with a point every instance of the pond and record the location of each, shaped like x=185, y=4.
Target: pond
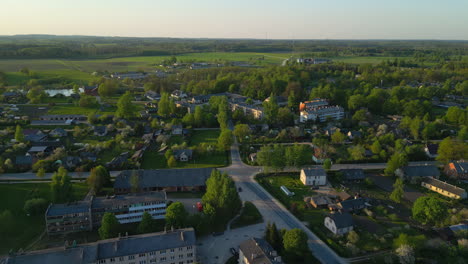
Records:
x=65, y=92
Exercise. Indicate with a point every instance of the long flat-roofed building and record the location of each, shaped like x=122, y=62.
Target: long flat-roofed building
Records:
x=86, y=215
x=178, y=246
x=319, y=110
x=444, y=188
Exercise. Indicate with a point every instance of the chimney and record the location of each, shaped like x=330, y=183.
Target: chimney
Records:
x=182, y=236
x=116, y=246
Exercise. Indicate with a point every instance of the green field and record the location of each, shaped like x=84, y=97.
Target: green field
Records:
x=26, y=228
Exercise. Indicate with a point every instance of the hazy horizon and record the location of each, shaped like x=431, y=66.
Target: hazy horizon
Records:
x=242, y=19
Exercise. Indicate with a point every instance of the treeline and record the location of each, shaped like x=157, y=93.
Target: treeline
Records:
x=48, y=46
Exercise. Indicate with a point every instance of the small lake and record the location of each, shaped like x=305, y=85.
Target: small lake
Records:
x=65, y=92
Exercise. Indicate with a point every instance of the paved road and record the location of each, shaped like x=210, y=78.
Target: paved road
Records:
x=270, y=208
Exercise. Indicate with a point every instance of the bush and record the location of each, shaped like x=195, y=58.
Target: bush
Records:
x=35, y=206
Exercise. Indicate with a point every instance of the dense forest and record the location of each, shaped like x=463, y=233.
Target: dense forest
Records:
x=49, y=46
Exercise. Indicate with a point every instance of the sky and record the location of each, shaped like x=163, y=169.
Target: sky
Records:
x=261, y=19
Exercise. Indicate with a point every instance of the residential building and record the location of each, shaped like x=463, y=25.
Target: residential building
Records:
x=68, y=218
x=169, y=180
x=183, y=154
x=308, y=105
x=63, y=117
x=177, y=130
x=322, y=114
x=178, y=246
x=353, y=174
x=90, y=90
x=354, y=134
x=152, y=95
x=58, y=132
x=444, y=188
x=86, y=215
x=258, y=251
x=339, y=223
x=24, y=162
x=352, y=205
x=411, y=173
x=249, y=110
x=457, y=169
x=313, y=176
x=319, y=201
x=100, y=131
x=431, y=150
x=129, y=75
x=39, y=150
x=312, y=60
x=119, y=161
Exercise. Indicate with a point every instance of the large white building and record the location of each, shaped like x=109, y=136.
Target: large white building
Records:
x=319, y=110
x=313, y=176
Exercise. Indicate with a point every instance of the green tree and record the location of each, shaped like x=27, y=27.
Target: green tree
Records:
x=360, y=115
x=225, y=140
x=415, y=126
x=198, y=116
x=19, y=136
x=171, y=162
x=8, y=222
x=98, y=178
x=61, y=186
x=450, y=149
x=125, y=107
x=274, y=238
x=87, y=101
x=357, y=152
x=35, y=206
x=223, y=119
x=429, y=131
x=110, y=226
x=338, y=137
x=147, y=224
x=356, y=101
x=295, y=243
x=36, y=95
x=41, y=173
x=272, y=156
x=176, y=215
x=169, y=153
x=327, y=164
x=242, y=131
x=398, y=192
x=353, y=237
x=108, y=88
x=270, y=110
x=429, y=210
x=164, y=105
x=285, y=117
x=396, y=161
x=376, y=148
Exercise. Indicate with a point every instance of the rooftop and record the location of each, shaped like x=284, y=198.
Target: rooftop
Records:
x=68, y=208
x=258, y=251
x=421, y=171
x=317, y=171
x=342, y=219
x=119, y=200
x=445, y=186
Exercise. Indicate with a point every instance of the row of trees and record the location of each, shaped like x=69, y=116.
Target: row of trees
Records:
x=278, y=156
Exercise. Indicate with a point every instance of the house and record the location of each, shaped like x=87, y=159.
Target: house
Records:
x=354, y=134
x=138, y=154
x=82, y=118
x=58, y=132
x=339, y=223
x=90, y=90
x=249, y=110
x=258, y=251
x=88, y=156
x=35, y=137
x=152, y=95
x=144, y=248
x=352, y=205
x=169, y=180
x=100, y=131
x=319, y=155
x=24, y=162
x=118, y=162
x=444, y=188
x=177, y=130
x=319, y=201
x=200, y=99
x=39, y=150
x=431, y=150
x=410, y=173
x=178, y=94
x=70, y=162
x=353, y=174
x=313, y=176
x=183, y=154
x=457, y=169
x=67, y=122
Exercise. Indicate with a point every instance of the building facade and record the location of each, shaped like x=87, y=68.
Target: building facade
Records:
x=178, y=246
x=444, y=188
x=86, y=215
x=313, y=177
x=258, y=251
x=339, y=223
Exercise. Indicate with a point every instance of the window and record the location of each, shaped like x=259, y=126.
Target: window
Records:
x=131, y=257
x=190, y=255
x=152, y=253
x=172, y=250
x=181, y=262
x=102, y=261
x=121, y=259
x=181, y=256
x=162, y=252
x=112, y=260
x=189, y=247
x=162, y=259
x=142, y=255
x=143, y=262
x=172, y=257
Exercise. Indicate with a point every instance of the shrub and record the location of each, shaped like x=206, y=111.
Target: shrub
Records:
x=35, y=206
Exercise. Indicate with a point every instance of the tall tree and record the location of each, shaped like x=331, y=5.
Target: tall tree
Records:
x=176, y=215
x=357, y=152
x=396, y=161
x=450, y=149
x=225, y=140
x=61, y=186
x=242, y=131
x=147, y=224
x=198, y=116
x=398, y=192
x=125, y=107
x=19, y=136
x=164, y=105
x=295, y=243
x=110, y=226
x=98, y=178
x=429, y=210
x=338, y=137
x=270, y=110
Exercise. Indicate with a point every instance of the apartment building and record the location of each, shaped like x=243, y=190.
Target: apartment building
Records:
x=169, y=247
x=252, y=110
x=86, y=215
x=258, y=251
x=319, y=110
x=444, y=188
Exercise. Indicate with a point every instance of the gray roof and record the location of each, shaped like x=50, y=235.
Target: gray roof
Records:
x=111, y=248
x=258, y=251
x=38, y=149
x=317, y=171
x=421, y=171
x=125, y=200
x=24, y=160
x=461, y=166
x=445, y=186
x=164, y=178
x=352, y=204
x=342, y=219
x=69, y=208
x=353, y=174
x=35, y=137
x=179, y=152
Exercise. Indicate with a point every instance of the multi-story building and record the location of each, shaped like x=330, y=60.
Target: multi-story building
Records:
x=313, y=176
x=258, y=251
x=319, y=110
x=444, y=188
x=178, y=246
x=68, y=218
x=86, y=215
x=252, y=110
x=457, y=169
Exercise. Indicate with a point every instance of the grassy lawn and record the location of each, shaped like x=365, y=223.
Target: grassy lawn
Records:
x=153, y=160
x=249, y=216
x=27, y=228
x=204, y=136
x=72, y=110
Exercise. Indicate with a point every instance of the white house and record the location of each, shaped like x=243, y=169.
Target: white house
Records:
x=339, y=223
x=313, y=176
